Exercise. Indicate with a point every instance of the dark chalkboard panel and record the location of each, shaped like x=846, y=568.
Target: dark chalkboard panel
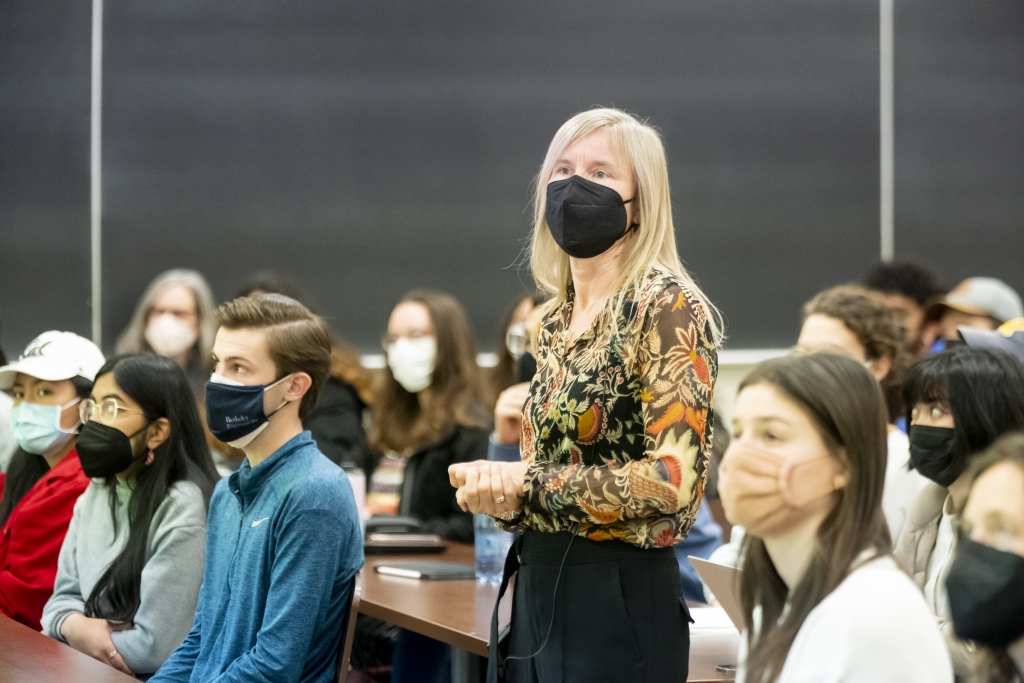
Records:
x=44, y=169
x=960, y=138
x=363, y=149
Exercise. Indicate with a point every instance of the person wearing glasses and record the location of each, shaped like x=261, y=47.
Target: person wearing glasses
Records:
x=44, y=478
x=512, y=344
x=131, y=565
x=427, y=415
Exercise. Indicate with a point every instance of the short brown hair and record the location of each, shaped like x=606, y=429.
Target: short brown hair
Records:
x=398, y=423
x=865, y=313
x=297, y=339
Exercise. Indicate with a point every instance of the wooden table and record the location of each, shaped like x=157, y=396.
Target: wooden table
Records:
x=27, y=656
x=459, y=613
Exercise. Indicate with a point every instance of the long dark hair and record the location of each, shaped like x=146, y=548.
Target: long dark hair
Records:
x=161, y=389
x=25, y=469
x=846, y=405
x=983, y=389
x=398, y=423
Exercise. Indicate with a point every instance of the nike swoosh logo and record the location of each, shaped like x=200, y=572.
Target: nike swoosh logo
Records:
x=257, y=522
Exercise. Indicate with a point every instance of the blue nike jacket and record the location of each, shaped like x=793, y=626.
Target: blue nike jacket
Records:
x=282, y=550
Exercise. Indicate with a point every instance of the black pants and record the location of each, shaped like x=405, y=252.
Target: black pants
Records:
x=619, y=613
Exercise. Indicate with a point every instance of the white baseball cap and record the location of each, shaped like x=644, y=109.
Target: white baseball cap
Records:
x=55, y=356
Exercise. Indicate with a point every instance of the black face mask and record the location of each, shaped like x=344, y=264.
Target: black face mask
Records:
x=585, y=218
x=104, y=451
x=933, y=453
x=986, y=594
x=527, y=367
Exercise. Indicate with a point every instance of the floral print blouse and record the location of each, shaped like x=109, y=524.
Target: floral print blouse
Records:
x=617, y=428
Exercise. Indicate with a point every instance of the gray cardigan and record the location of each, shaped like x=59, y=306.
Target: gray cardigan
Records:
x=170, y=578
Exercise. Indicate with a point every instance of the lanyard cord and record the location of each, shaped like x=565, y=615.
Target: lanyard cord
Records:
x=554, y=599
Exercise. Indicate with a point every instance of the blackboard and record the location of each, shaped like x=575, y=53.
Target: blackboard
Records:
x=363, y=149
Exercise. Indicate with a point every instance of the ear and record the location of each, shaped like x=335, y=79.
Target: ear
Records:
x=158, y=433
x=296, y=386
x=841, y=479
x=880, y=367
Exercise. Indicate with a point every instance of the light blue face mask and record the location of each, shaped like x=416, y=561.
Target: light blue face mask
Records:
x=37, y=427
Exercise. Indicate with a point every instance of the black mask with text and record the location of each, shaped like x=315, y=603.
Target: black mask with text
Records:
x=585, y=218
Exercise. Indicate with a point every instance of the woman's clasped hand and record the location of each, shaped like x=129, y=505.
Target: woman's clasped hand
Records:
x=93, y=637
x=489, y=488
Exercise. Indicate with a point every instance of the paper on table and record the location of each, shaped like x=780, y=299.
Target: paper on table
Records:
x=706, y=618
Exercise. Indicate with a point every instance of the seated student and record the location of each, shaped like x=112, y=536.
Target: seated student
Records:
x=427, y=414
x=132, y=561
x=804, y=474
x=983, y=303
x=174, y=318
x=906, y=288
x=986, y=579
x=855, y=322
x=283, y=536
x=513, y=340
x=961, y=401
x=44, y=478
x=336, y=421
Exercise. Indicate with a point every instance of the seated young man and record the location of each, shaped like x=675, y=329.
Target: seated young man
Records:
x=283, y=540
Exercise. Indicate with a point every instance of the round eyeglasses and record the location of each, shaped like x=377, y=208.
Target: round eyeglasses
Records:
x=104, y=412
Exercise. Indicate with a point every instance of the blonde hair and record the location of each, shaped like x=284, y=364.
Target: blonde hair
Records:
x=652, y=245
x=133, y=339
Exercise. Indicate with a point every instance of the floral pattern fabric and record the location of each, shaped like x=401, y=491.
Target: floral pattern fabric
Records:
x=617, y=428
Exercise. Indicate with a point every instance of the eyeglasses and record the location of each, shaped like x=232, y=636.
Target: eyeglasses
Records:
x=388, y=339
x=105, y=411
x=517, y=341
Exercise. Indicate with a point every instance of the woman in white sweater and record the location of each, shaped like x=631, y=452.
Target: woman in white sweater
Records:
x=131, y=564
x=804, y=475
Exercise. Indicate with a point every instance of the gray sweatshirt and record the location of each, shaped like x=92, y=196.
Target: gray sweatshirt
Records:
x=170, y=578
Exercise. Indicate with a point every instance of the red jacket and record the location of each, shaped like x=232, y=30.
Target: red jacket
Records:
x=30, y=540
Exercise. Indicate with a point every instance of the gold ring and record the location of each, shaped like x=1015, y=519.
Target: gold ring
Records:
x=499, y=500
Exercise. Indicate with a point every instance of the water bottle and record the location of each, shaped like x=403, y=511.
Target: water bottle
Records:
x=492, y=546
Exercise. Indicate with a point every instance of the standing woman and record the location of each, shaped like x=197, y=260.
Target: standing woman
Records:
x=131, y=565
x=616, y=429
x=44, y=479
